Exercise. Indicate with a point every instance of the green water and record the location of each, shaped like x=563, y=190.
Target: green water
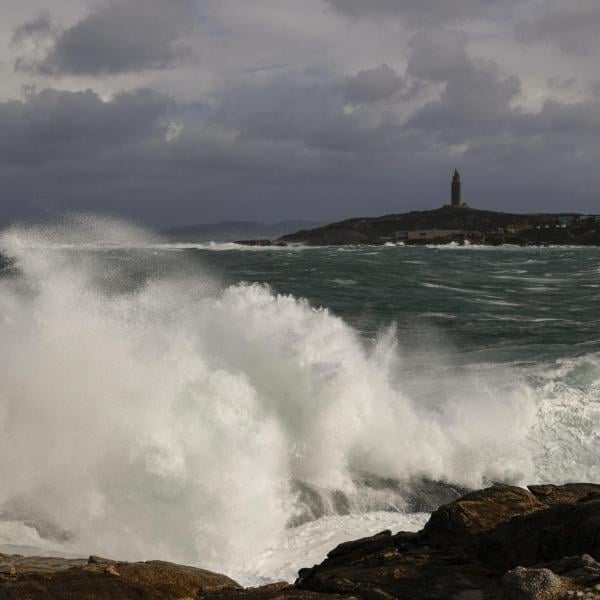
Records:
x=229, y=389
x=484, y=304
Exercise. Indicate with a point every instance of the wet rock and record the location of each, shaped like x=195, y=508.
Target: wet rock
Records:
x=565, y=494
x=551, y=532
x=545, y=535
x=480, y=511
x=33, y=578
x=583, y=569
x=501, y=542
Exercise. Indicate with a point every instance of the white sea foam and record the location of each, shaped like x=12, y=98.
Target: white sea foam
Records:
x=448, y=287
x=228, y=246
x=570, y=394
x=340, y=281
x=309, y=544
x=174, y=420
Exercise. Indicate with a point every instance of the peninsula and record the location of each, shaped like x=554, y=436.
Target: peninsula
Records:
x=456, y=222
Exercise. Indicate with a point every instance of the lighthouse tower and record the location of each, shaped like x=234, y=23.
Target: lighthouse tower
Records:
x=456, y=191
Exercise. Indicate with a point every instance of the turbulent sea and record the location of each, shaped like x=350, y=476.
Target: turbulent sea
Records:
x=246, y=409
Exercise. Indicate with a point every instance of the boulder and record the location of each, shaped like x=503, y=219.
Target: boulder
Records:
x=32, y=578
x=539, y=543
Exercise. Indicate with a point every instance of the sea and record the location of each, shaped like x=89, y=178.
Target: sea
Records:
x=246, y=409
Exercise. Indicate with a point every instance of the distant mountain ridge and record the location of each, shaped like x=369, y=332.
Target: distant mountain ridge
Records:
x=230, y=231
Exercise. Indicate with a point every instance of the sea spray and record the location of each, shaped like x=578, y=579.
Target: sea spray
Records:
x=174, y=418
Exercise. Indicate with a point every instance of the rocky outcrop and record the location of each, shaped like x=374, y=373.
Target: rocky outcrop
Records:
x=501, y=543
x=26, y=578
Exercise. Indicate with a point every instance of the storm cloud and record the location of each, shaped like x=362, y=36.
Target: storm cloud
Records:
x=424, y=12
x=189, y=111
x=54, y=125
x=371, y=85
x=573, y=26
x=119, y=36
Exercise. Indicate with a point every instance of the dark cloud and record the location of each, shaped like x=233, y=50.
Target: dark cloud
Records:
x=319, y=139
x=423, y=12
x=120, y=36
x=316, y=116
x=372, y=85
x=572, y=26
x=41, y=26
x=438, y=55
x=476, y=100
x=55, y=125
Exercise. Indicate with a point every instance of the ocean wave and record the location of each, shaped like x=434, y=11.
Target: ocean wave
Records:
x=344, y=281
x=428, y=284
x=229, y=246
x=180, y=420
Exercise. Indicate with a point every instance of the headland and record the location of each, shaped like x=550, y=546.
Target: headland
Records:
x=456, y=222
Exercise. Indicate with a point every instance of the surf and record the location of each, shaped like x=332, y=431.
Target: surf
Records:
x=171, y=416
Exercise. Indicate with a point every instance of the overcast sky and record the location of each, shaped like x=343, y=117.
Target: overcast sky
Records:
x=180, y=111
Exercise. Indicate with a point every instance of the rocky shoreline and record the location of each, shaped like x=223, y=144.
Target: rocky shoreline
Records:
x=500, y=543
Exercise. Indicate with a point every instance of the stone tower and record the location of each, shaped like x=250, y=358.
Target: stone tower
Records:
x=456, y=192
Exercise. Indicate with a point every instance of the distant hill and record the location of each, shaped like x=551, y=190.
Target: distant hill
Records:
x=229, y=231
x=377, y=230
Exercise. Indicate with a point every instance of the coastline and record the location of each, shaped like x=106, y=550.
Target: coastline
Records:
x=539, y=543
x=456, y=224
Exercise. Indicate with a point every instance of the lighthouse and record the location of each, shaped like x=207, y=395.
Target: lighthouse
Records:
x=456, y=191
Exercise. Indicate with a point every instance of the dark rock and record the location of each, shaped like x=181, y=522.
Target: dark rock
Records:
x=583, y=569
x=545, y=535
x=468, y=546
x=356, y=545
x=564, y=494
x=503, y=542
x=24, y=578
x=478, y=512
x=95, y=560
x=414, y=495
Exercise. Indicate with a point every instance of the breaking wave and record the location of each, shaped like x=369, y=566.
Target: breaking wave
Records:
x=175, y=418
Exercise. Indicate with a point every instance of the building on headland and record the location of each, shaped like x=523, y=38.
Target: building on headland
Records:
x=457, y=223
x=456, y=191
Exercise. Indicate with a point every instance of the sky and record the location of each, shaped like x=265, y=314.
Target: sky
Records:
x=174, y=112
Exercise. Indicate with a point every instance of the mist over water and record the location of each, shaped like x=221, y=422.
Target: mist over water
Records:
x=150, y=408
